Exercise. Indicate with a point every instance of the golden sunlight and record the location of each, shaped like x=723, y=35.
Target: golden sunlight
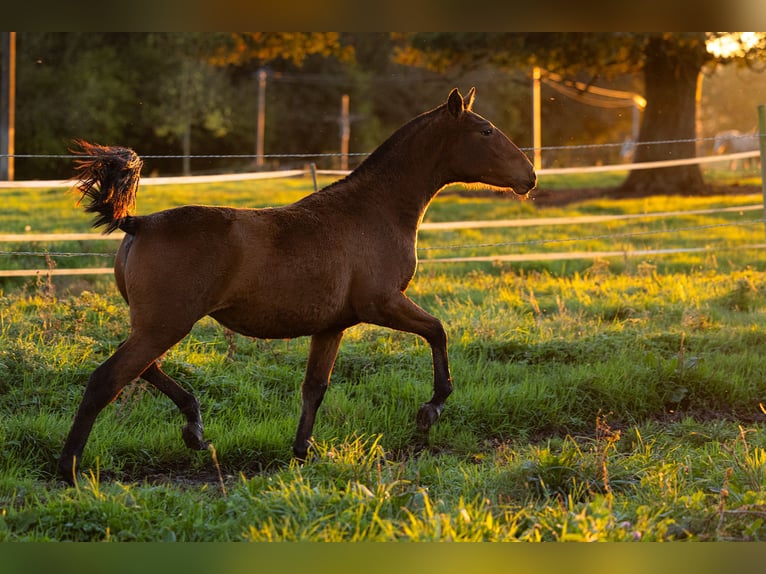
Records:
x=733, y=44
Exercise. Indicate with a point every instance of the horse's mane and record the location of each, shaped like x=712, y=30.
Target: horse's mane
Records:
x=371, y=163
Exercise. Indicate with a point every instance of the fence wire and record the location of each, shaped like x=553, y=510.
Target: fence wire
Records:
x=457, y=247
x=450, y=247
x=589, y=237
x=702, y=140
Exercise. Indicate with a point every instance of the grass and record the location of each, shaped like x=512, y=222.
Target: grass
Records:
x=615, y=400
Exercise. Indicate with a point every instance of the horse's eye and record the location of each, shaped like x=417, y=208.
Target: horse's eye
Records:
x=486, y=132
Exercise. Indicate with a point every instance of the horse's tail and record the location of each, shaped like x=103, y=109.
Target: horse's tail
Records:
x=108, y=176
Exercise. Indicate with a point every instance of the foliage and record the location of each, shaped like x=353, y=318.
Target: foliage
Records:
x=68, y=80
x=151, y=91
x=262, y=47
x=188, y=89
x=730, y=97
x=176, y=94
x=573, y=54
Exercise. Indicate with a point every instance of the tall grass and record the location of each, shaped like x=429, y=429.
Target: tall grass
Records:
x=608, y=400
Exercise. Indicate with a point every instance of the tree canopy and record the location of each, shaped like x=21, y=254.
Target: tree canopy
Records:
x=670, y=63
x=181, y=94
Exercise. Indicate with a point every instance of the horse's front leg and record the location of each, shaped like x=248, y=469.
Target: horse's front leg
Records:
x=402, y=314
x=322, y=355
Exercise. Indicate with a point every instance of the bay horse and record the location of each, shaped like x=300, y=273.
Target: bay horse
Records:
x=339, y=257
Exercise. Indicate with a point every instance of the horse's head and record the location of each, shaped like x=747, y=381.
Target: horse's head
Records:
x=479, y=152
x=719, y=144
x=723, y=141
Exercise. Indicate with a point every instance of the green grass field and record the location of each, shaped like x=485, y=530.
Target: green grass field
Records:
x=617, y=399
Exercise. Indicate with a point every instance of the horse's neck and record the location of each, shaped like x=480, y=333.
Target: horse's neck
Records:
x=401, y=182
x=398, y=199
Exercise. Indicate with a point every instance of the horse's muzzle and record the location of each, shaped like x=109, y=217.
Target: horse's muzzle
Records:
x=526, y=187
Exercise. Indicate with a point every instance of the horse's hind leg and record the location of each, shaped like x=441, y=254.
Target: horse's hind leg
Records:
x=324, y=351
x=127, y=363
x=104, y=385
x=186, y=402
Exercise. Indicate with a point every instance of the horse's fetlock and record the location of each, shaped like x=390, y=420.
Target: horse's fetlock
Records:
x=191, y=410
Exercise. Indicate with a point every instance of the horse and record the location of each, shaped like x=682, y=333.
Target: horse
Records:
x=338, y=257
x=734, y=141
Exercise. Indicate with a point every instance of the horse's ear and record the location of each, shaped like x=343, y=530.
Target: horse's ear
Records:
x=455, y=103
x=469, y=99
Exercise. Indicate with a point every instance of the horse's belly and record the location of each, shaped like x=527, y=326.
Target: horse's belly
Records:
x=286, y=296
x=282, y=322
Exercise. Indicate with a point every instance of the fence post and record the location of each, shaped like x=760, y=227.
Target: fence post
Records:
x=762, y=139
x=261, y=125
x=313, y=168
x=537, y=151
x=345, y=131
x=7, y=104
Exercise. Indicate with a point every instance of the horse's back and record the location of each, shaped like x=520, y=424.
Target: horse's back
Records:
x=186, y=220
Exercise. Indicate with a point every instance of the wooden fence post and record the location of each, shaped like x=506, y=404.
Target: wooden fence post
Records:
x=762, y=139
x=7, y=105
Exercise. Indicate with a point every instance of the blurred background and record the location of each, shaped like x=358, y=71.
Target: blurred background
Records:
x=269, y=100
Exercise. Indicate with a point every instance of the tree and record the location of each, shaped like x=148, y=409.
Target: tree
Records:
x=156, y=92
x=670, y=63
x=72, y=85
x=187, y=91
x=262, y=47
x=306, y=73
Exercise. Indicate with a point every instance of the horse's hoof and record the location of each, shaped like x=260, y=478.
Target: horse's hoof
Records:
x=192, y=435
x=301, y=459
x=428, y=414
x=66, y=471
x=300, y=455
x=301, y=450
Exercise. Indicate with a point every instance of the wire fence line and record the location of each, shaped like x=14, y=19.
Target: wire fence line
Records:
x=743, y=136
x=51, y=270
x=245, y=176
x=518, y=257
x=625, y=253
x=440, y=226
x=592, y=237
x=626, y=166
x=454, y=247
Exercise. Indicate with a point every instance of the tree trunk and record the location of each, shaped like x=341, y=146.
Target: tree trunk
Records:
x=670, y=71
